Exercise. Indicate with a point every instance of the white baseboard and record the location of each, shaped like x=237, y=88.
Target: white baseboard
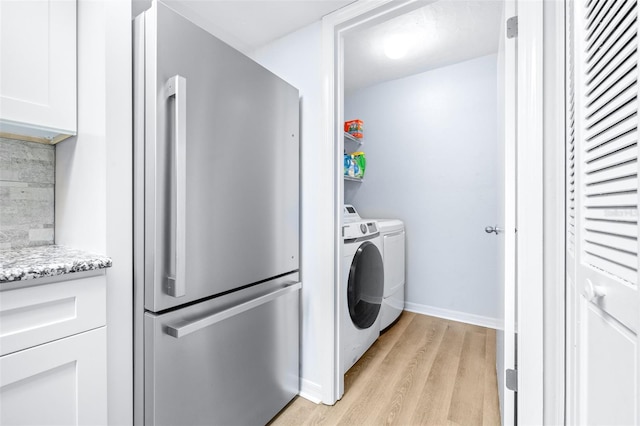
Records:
x=465, y=317
x=311, y=391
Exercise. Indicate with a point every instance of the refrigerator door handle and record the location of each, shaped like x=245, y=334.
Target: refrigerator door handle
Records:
x=176, y=86
x=193, y=326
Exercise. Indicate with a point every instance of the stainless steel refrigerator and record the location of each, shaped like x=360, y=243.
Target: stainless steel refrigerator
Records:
x=216, y=227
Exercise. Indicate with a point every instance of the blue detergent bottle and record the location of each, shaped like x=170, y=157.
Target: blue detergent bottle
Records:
x=347, y=164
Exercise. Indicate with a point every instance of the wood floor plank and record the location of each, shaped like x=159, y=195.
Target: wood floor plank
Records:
x=405, y=391
x=362, y=411
x=420, y=372
x=385, y=343
x=491, y=404
x=320, y=416
x=297, y=412
x=404, y=362
x=467, y=400
x=436, y=394
x=357, y=378
x=475, y=328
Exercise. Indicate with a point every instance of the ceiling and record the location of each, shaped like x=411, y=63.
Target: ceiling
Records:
x=441, y=33
x=249, y=24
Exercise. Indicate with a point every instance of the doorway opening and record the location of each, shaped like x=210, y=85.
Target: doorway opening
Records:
x=425, y=83
x=360, y=17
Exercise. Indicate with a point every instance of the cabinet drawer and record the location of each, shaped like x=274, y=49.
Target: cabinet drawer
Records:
x=30, y=316
x=59, y=383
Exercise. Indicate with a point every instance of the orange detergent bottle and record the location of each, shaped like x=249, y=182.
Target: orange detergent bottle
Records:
x=355, y=128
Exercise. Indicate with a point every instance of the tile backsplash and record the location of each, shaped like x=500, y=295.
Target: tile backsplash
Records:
x=27, y=179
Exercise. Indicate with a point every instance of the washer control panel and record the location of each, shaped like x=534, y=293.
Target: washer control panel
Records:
x=355, y=230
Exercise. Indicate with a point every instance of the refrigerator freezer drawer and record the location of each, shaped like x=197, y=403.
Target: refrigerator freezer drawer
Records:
x=229, y=360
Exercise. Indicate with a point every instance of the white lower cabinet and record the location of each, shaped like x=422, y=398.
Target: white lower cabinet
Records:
x=53, y=342
x=58, y=383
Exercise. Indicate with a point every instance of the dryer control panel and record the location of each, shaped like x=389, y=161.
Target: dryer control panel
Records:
x=349, y=214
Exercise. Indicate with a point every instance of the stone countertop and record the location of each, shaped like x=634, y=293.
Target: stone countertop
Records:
x=47, y=261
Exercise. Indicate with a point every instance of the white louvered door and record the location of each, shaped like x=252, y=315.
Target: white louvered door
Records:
x=602, y=236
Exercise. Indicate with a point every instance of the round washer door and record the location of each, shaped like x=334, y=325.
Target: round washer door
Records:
x=366, y=285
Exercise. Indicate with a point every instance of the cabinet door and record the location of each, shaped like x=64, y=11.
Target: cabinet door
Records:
x=38, y=67
x=58, y=383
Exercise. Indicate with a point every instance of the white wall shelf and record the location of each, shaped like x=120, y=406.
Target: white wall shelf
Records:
x=349, y=138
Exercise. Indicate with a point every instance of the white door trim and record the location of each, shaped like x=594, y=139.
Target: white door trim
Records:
x=530, y=204
x=554, y=211
x=334, y=26
x=510, y=78
x=530, y=184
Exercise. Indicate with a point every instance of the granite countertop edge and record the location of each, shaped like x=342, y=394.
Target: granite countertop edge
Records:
x=30, y=263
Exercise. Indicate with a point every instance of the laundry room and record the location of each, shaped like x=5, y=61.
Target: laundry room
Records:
x=429, y=127
x=424, y=151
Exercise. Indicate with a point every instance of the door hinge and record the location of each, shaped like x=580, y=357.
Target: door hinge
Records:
x=511, y=379
x=512, y=27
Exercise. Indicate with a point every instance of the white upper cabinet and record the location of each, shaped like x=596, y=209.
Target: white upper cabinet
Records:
x=38, y=70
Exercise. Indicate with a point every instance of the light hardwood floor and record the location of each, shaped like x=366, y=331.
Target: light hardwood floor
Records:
x=422, y=371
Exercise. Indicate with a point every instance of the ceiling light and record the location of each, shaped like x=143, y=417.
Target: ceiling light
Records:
x=396, y=46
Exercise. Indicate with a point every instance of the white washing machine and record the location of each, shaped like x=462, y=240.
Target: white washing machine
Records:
x=393, y=244
x=361, y=286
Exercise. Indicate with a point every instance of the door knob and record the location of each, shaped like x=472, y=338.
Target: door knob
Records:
x=593, y=292
x=490, y=229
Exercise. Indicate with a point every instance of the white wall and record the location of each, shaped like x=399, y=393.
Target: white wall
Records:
x=431, y=143
x=297, y=59
x=94, y=179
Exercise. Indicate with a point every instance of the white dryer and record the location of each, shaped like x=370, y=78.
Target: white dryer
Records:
x=393, y=235
x=361, y=287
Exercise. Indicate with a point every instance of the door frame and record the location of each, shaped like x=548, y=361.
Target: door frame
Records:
x=554, y=116
x=334, y=26
x=530, y=213
x=530, y=220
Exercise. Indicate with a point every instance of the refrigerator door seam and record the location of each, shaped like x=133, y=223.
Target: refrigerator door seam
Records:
x=193, y=326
